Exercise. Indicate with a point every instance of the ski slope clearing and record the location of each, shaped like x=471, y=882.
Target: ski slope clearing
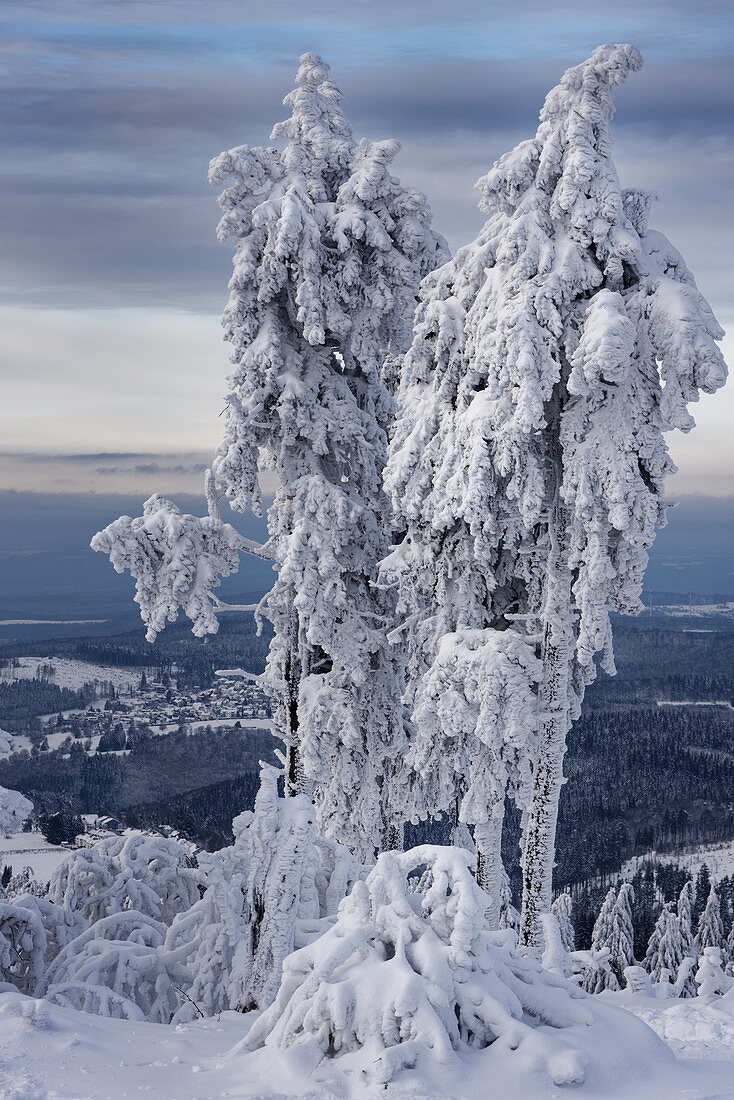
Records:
x=48, y=1053
x=31, y=850
x=719, y=858
x=68, y=673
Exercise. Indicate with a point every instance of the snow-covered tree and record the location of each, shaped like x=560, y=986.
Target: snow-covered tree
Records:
x=330, y=249
x=15, y=808
x=562, y=910
x=603, y=977
x=685, y=915
x=621, y=941
x=710, y=931
x=528, y=465
x=476, y=711
x=685, y=922
x=665, y=949
x=409, y=976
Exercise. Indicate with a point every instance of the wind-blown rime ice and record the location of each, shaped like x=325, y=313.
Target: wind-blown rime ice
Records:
x=528, y=463
x=330, y=249
x=176, y=560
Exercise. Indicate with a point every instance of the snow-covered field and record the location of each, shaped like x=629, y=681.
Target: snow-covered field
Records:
x=31, y=850
x=68, y=673
x=719, y=858
x=49, y=1053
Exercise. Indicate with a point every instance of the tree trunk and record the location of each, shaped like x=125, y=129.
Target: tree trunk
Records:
x=488, y=841
x=539, y=834
x=294, y=778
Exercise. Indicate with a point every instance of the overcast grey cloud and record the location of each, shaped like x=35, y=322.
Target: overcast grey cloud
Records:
x=115, y=109
x=110, y=273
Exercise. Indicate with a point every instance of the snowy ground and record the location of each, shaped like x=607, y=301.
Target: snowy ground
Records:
x=50, y=1053
x=31, y=850
x=49, y=622
x=72, y=674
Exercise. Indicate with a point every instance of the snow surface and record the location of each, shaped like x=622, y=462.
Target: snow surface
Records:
x=68, y=673
x=719, y=858
x=49, y=1053
x=31, y=850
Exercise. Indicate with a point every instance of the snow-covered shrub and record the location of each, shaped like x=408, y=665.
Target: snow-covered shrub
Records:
x=151, y=874
x=22, y=947
x=408, y=976
x=637, y=980
x=118, y=968
x=157, y=951
x=32, y=933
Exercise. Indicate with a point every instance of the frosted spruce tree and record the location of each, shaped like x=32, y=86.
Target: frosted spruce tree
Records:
x=562, y=910
x=330, y=249
x=710, y=931
x=528, y=466
x=685, y=923
x=598, y=979
x=665, y=950
x=621, y=942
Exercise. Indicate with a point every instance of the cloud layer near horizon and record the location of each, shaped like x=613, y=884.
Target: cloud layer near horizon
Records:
x=111, y=273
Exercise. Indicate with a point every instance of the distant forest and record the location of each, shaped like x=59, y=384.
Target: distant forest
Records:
x=640, y=776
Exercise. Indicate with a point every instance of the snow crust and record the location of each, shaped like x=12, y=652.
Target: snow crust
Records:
x=48, y=1053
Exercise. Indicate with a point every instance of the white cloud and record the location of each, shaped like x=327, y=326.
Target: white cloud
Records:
x=150, y=382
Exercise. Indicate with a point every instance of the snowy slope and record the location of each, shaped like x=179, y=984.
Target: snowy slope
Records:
x=719, y=858
x=31, y=850
x=68, y=673
x=53, y=1053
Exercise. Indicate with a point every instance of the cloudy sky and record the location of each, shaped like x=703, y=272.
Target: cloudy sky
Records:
x=112, y=278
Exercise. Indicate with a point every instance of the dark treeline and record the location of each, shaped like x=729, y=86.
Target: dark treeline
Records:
x=638, y=779
x=156, y=769
x=205, y=815
x=236, y=643
x=23, y=700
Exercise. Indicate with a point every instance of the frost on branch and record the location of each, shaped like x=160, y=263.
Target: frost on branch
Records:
x=409, y=975
x=176, y=559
